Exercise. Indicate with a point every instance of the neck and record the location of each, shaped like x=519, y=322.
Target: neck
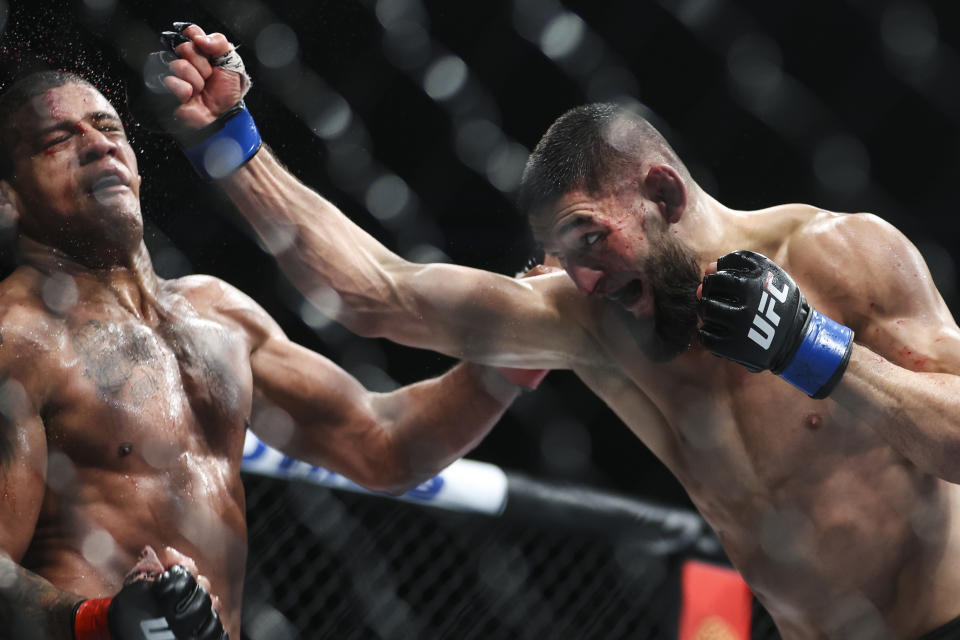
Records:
x=712, y=230
x=132, y=282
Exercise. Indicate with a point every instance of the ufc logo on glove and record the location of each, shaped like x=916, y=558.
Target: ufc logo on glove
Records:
x=766, y=337
x=765, y=327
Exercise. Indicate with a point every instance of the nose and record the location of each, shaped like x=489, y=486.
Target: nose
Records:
x=585, y=277
x=95, y=144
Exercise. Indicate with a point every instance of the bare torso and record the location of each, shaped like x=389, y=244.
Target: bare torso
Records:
x=837, y=534
x=144, y=408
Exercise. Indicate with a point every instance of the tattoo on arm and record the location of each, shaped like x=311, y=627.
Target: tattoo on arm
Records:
x=31, y=607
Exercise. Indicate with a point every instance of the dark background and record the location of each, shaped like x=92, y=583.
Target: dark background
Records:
x=850, y=105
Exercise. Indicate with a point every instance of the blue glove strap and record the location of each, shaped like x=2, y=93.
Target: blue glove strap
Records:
x=821, y=358
x=228, y=149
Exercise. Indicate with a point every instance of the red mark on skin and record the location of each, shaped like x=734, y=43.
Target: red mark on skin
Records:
x=813, y=421
x=903, y=353
x=920, y=364
x=899, y=321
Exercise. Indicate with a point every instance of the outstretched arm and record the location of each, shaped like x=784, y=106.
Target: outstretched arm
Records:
x=311, y=409
x=459, y=311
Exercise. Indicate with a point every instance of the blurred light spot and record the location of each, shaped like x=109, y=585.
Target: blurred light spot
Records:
x=611, y=84
x=332, y=119
x=8, y=579
x=313, y=317
x=909, y=31
x=326, y=301
x=565, y=446
x=407, y=45
x=13, y=399
x=782, y=534
x=693, y=13
x=754, y=62
x=505, y=166
x=160, y=454
x=562, y=35
x=374, y=378
x=387, y=196
x=842, y=164
x=59, y=293
x=98, y=547
x=274, y=426
x=170, y=262
x=445, y=77
x=276, y=239
x=276, y=45
x=426, y=254
x=475, y=141
x=269, y=624
x=61, y=473
x=222, y=157
x=390, y=12
x=503, y=569
x=100, y=6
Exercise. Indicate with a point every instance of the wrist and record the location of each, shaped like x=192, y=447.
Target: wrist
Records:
x=821, y=358
x=90, y=619
x=225, y=145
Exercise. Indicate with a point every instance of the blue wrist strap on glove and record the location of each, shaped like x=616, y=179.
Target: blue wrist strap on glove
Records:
x=821, y=358
x=225, y=145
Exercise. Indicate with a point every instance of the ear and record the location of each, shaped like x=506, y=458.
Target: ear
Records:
x=9, y=205
x=665, y=187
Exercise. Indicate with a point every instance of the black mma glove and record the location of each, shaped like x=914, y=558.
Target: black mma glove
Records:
x=151, y=609
x=216, y=150
x=754, y=313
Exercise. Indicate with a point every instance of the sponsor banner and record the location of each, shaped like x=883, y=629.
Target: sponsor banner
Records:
x=466, y=485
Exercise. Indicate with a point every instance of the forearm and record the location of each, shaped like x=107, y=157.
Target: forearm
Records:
x=317, y=246
x=918, y=413
x=352, y=278
x=31, y=607
x=437, y=421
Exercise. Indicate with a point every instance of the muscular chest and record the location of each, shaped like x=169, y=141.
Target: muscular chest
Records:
x=124, y=381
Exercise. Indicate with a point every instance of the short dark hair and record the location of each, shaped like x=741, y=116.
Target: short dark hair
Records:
x=583, y=147
x=18, y=94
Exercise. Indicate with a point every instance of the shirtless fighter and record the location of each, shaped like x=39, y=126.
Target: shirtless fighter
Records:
x=124, y=399
x=839, y=512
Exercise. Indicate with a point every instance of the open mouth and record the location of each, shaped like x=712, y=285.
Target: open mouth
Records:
x=629, y=294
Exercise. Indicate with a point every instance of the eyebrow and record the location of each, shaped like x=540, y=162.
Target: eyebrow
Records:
x=97, y=117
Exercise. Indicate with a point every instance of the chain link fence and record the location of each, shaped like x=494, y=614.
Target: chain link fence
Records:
x=329, y=564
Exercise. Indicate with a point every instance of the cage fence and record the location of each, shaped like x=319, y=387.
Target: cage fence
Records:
x=324, y=563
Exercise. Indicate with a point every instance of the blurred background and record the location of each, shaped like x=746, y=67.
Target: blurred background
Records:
x=416, y=116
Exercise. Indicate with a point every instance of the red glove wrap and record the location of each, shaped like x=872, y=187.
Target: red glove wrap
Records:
x=90, y=620
x=529, y=378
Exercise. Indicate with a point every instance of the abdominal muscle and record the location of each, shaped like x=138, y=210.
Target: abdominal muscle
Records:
x=87, y=543
x=834, y=531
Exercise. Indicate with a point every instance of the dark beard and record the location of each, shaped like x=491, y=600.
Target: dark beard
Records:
x=674, y=275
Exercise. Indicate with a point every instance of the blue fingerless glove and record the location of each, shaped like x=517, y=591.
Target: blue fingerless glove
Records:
x=225, y=145
x=754, y=313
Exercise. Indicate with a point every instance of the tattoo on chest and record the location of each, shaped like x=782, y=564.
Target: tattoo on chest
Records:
x=115, y=358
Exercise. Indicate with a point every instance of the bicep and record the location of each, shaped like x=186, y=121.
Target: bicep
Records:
x=311, y=409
